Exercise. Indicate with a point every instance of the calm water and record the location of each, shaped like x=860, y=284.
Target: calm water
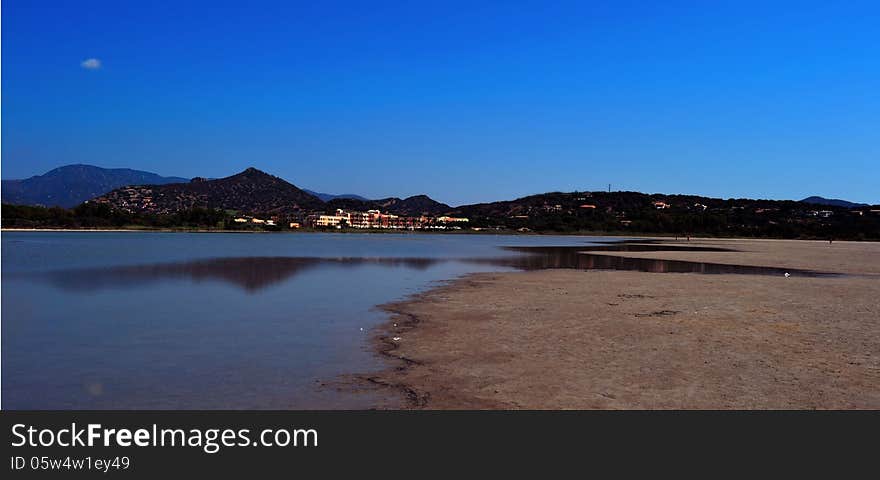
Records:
x=173, y=320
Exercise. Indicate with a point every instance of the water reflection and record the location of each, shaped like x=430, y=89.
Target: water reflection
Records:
x=252, y=274
x=581, y=258
x=249, y=273
x=195, y=322
x=629, y=246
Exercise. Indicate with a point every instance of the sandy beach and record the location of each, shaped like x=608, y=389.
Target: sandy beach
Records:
x=601, y=339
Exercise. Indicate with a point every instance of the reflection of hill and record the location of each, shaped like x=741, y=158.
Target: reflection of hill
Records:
x=642, y=246
x=249, y=273
x=255, y=273
x=581, y=258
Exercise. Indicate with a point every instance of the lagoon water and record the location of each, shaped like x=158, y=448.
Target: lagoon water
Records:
x=128, y=320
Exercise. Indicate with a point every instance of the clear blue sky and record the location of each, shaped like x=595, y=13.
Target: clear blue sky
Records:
x=465, y=101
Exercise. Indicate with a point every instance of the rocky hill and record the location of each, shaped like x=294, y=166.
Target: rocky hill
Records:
x=251, y=191
x=681, y=214
x=415, y=205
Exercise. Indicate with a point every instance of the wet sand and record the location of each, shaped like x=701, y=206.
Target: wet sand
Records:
x=601, y=339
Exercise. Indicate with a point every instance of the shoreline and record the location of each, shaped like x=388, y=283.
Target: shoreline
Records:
x=352, y=231
x=631, y=235
x=606, y=339
x=127, y=230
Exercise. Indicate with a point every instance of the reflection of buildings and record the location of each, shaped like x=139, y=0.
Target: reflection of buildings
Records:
x=377, y=219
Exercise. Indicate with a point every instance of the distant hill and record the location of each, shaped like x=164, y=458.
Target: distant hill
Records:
x=326, y=197
x=833, y=202
x=71, y=185
x=251, y=191
x=554, y=202
x=201, y=202
x=411, y=206
x=679, y=214
x=415, y=205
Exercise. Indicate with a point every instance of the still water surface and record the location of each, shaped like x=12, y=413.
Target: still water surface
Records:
x=106, y=320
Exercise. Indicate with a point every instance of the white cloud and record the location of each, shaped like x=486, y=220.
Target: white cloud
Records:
x=90, y=64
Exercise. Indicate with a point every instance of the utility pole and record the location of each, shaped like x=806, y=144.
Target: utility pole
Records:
x=609, y=188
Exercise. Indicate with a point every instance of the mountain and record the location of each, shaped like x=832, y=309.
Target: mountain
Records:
x=642, y=213
x=832, y=202
x=411, y=206
x=569, y=203
x=251, y=191
x=614, y=206
x=415, y=205
x=71, y=185
x=326, y=197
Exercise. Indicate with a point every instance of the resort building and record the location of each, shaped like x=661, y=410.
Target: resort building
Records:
x=377, y=219
x=324, y=221
x=451, y=219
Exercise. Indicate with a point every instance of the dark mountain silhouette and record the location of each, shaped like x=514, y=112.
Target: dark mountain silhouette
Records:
x=833, y=202
x=326, y=197
x=251, y=191
x=410, y=206
x=71, y=185
x=249, y=273
x=678, y=214
x=567, y=203
x=136, y=191
x=350, y=204
x=212, y=203
x=415, y=205
x=201, y=203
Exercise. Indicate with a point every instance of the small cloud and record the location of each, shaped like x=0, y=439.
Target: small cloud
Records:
x=90, y=64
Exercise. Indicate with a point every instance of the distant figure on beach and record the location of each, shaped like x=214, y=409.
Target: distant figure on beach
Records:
x=830, y=240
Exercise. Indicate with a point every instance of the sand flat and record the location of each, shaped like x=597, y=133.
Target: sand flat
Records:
x=568, y=339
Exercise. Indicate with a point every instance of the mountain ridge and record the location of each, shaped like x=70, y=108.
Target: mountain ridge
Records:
x=416, y=205
x=70, y=185
x=250, y=191
x=326, y=197
x=834, y=202
x=216, y=203
x=255, y=191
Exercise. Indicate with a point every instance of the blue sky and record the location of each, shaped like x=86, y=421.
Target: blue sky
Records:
x=465, y=101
